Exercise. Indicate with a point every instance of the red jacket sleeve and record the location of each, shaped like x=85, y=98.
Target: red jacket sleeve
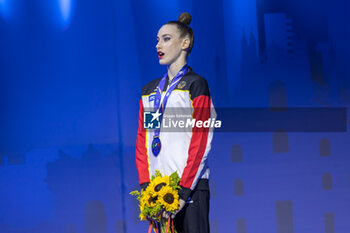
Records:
x=198, y=145
x=142, y=163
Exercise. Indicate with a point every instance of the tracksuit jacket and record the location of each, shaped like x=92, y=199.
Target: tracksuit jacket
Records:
x=184, y=152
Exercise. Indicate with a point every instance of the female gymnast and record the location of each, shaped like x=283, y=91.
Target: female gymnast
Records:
x=183, y=152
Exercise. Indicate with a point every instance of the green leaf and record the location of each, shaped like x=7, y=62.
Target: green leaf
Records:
x=158, y=173
x=135, y=193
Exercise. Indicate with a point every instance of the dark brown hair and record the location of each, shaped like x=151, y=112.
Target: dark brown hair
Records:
x=182, y=24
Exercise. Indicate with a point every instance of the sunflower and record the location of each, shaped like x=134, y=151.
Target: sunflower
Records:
x=142, y=217
x=142, y=205
x=143, y=199
x=147, y=199
x=169, y=198
x=157, y=184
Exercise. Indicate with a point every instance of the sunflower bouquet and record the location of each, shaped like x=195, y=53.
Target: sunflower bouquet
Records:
x=160, y=195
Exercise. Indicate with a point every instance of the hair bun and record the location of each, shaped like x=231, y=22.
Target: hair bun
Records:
x=185, y=18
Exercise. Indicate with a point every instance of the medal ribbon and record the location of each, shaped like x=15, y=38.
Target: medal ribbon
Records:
x=154, y=225
x=161, y=107
x=168, y=224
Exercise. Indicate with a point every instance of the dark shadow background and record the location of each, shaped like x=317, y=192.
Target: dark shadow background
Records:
x=71, y=73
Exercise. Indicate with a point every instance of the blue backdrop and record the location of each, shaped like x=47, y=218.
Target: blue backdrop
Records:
x=71, y=76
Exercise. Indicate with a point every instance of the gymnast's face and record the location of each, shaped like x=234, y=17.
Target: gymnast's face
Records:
x=170, y=46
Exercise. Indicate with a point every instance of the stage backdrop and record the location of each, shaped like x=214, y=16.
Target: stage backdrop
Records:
x=71, y=76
